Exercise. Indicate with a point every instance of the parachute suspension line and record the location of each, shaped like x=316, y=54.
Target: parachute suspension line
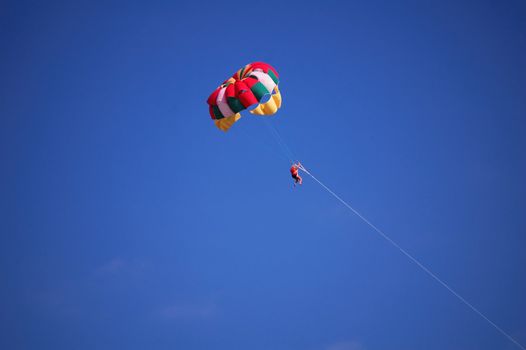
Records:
x=285, y=150
x=416, y=261
x=291, y=154
x=262, y=144
x=275, y=133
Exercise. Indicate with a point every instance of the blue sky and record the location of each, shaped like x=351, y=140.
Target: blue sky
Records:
x=130, y=222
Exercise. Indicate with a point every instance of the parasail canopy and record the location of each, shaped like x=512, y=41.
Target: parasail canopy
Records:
x=253, y=87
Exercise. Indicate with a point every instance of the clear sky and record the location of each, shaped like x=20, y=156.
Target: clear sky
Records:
x=128, y=221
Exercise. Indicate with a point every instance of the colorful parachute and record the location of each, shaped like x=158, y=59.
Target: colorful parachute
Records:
x=255, y=86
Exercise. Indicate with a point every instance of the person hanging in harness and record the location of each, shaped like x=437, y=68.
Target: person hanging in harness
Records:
x=294, y=172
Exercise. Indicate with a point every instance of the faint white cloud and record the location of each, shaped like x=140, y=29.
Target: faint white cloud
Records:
x=187, y=311
x=118, y=266
x=113, y=266
x=346, y=345
x=68, y=297
x=60, y=298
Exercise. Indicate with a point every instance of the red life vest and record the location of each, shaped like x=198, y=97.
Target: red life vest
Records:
x=294, y=171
